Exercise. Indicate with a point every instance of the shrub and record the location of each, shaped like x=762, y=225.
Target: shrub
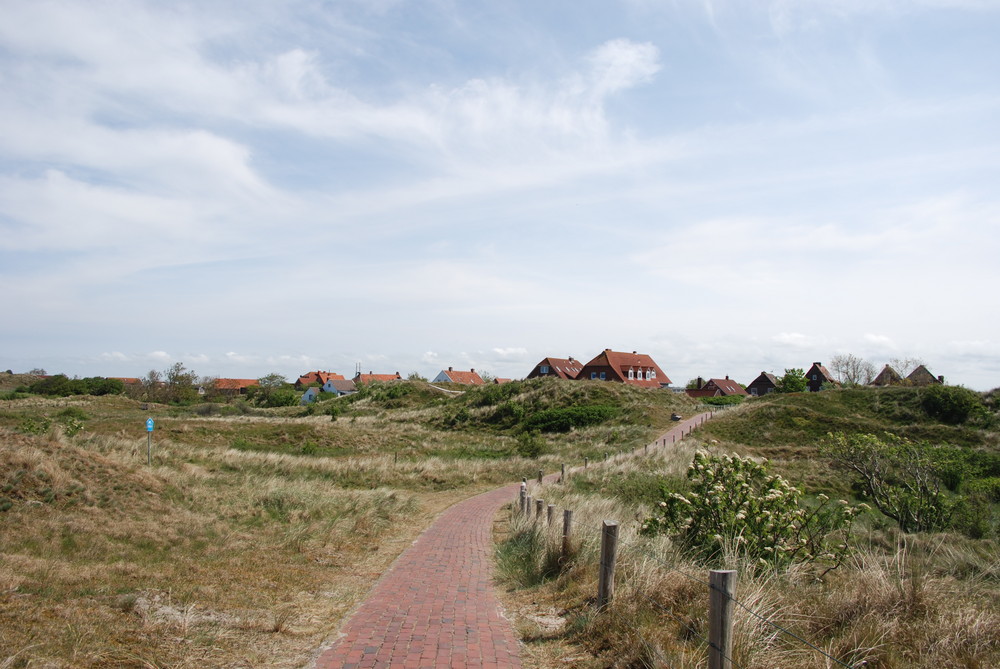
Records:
x=565, y=419
x=735, y=505
x=728, y=400
x=951, y=404
x=900, y=478
x=529, y=444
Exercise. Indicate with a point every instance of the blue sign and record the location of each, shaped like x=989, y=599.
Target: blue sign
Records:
x=149, y=425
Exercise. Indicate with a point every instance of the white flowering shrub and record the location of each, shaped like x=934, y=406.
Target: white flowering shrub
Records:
x=735, y=506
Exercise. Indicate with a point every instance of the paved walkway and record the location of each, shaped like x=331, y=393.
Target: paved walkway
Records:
x=435, y=607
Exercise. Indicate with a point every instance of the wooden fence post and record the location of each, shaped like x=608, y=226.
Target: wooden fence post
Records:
x=586, y=462
x=540, y=474
x=722, y=587
x=609, y=551
x=567, y=531
x=562, y=473
x=539, y=505
x=527, y=507
x=551, y=513
x=523, y=495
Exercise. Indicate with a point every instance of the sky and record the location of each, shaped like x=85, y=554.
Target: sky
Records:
x=731, y=187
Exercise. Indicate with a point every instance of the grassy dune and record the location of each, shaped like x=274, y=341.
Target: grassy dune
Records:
x=253, y=532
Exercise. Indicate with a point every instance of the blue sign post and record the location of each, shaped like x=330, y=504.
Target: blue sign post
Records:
x=149, y=441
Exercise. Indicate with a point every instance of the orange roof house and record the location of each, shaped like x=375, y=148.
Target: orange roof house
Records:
x=470, y=378
x=370, y=377
x=636, y=369
x=563, y=368
x=312, y=378
x=235, y=386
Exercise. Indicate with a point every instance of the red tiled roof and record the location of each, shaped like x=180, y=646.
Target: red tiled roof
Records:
x=564, y=368
x=321, y=378
x=235, y=384
x=499, y=380
x=620, y=364
x=368, y=378
x=470, y=378
x=727, y=386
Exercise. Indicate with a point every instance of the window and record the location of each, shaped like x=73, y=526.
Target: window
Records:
x=603, y=376
x=753, y=391
x=653, y=373
x=814, y=377
x=593, y=375
x=544, y=369
x=631, y=374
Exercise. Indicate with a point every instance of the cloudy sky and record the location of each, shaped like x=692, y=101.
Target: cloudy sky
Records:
x=729, y=186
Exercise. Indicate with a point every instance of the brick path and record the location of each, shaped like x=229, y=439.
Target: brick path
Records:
x=435, y=607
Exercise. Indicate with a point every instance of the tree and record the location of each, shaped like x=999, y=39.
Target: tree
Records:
x=900, y=478
x=180, y=383
x=416, y=376
x=794, y=381
x=851, y=370
x=905, y=365
x=694, y=384
x=268, y=386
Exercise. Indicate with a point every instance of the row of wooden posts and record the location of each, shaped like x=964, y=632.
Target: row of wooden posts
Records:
x=721, y=583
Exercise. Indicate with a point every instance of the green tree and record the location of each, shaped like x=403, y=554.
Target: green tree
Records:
x=793, y=381
x=900, y=478
x=180, y=384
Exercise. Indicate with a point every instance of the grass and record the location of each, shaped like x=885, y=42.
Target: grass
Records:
x=901, y=600
x=255, y=531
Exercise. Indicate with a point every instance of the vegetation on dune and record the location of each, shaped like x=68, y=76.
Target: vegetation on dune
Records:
x=911, y=582
x=259, y=525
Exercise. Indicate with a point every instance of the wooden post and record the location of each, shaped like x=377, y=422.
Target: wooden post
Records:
x=605, y=456
x=527, y=507
x=586, y=462
x=645, y=449
x=551, y=513
x=609, y=550
x=722, y=587
x=562, y=473
x=539, y=505
x=540, y=474
x=567, y=532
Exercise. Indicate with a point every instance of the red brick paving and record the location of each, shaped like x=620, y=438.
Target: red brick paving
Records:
x=435, y=608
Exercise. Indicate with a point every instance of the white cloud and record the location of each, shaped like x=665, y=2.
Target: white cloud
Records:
x=793, y=339
x=511, y=352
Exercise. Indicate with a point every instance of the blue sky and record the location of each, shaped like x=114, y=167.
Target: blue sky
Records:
x=730, y=187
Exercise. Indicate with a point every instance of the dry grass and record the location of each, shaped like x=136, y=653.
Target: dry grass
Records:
x=213, y=557
x=928, y=601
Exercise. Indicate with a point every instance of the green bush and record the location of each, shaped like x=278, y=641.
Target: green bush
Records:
x=567, y=418
x=734, y=505
x=902, y=479
x=529, y=444
x=951, y=404
x=725, y=401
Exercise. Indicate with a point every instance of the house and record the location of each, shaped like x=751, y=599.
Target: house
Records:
x=921, y=376
x=498, y=381
x=310, y=395
x=361, y=379
x=817, y=376
x=234, y=386
x=887, y=377
x=312, y=378
x=563, y=368
x=636, y=369
x=717, y=388
x=764, y=384
x=450, y=375
x=340, y=387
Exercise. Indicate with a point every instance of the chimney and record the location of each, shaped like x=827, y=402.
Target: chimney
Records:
x=450, y=369
x=727, y=377
x=818, y=364
x=701, y=382
x=634, y=353
x=473, y=370
x=941, y=380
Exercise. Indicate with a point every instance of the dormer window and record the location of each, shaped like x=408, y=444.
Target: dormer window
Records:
x=631, y=374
